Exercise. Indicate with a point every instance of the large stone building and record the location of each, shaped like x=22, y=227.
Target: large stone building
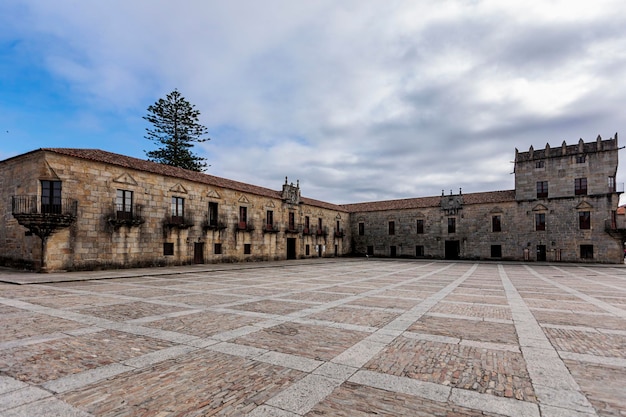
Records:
x=83, y=209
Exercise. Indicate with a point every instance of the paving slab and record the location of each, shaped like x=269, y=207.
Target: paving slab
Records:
x=341, y=337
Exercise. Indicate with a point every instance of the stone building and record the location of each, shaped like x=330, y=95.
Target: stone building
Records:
x=563, y=208
x=85, y=209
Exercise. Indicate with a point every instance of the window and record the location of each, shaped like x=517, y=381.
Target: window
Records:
x=292, y=221
x=586, y=251
x=542, y=189
x=217, y=248
x=247, y=248
x=178, y=209
x=580, y=186
x=319, y=226
x=611, y=184
x=243, y=216
x=540, y=164
x=51, y=197
x=451, y=225
x=307, y=250
x=496, y=223
x=392, y=228
x=307, y=224
x=269, y=219
x=420, y=226
x=213, y=214
x=584, y=220
x=361, y=229
x=419, y=250
x=168, y=249
x=540, y=221
x=124, y=204
x=580, y=159
x=496, y=251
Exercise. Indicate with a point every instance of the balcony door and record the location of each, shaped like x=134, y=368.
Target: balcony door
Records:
x=51, y=197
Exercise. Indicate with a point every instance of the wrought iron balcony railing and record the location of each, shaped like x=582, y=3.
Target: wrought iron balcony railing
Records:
x=125, y=215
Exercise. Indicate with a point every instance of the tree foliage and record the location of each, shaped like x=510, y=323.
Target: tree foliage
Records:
x=175, y=127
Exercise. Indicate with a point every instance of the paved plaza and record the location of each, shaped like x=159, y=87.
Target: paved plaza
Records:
x=353, y=337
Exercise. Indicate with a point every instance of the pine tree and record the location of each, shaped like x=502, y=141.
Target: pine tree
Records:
x=176, y=127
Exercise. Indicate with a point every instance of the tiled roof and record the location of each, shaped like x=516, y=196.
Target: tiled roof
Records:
x=98, y=155
x=426, y=202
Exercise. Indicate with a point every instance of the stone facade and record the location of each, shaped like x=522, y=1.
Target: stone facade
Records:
x=86, y=209
x=135, y=213
x=563, y=208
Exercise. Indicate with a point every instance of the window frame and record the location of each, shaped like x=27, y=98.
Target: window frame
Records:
x=540, y=222
x=178, y=208
x=580, y=186
x=51, y=191
x=451, y=225
x=584, y=220
x=392, y=227
x=213, y=213
x=419, y=226
x=496, y=223
x=361, y=228
x=542, y=189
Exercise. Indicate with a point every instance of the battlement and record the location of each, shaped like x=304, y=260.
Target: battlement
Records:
x=565, y=150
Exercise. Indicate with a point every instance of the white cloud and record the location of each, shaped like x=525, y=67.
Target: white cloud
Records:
x=357, y=99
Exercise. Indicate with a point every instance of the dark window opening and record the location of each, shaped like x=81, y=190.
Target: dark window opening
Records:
x=370, y=251
x=247, y=248
x=580, y=159
x=213, y=214
x=540, y=221
x=542, y=189
x=361, y=229
x=307, y=250
x=168, y=249
x=580, y=186
x=178, y=209
x=292, y=221
x=496, y=251
x=584, y=220
x=392, y=228
x=217, y=248
x=124, y=204
x=51, y=197
x=243, y=217
x=451, y=225
x=496, y=223
x=540, y=164
x=420, y=226
x=419, y=250
x=586, y=251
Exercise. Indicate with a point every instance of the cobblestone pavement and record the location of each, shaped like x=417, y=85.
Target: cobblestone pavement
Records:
x=349, y=337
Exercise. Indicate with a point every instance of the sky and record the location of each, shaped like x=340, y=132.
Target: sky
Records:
x=359, y=100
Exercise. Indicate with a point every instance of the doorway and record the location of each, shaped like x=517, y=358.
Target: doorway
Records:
x=291, y=248
x=453, y=249
x=541, y=253
x=198, y=253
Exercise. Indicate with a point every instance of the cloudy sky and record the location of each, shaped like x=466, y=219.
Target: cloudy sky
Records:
x=358, y=99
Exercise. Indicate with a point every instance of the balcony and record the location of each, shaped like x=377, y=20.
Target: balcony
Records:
x=321, y=232
x=126, y=216
x=614, y=229
x=339, y=234
x=307, y=231
x=244, y=226
x=294, y=229
x=219, y=223
x=178, y=222
x=270, y=228
x=42, y=218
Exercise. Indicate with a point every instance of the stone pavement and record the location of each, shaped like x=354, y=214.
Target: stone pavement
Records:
x=334, y=338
